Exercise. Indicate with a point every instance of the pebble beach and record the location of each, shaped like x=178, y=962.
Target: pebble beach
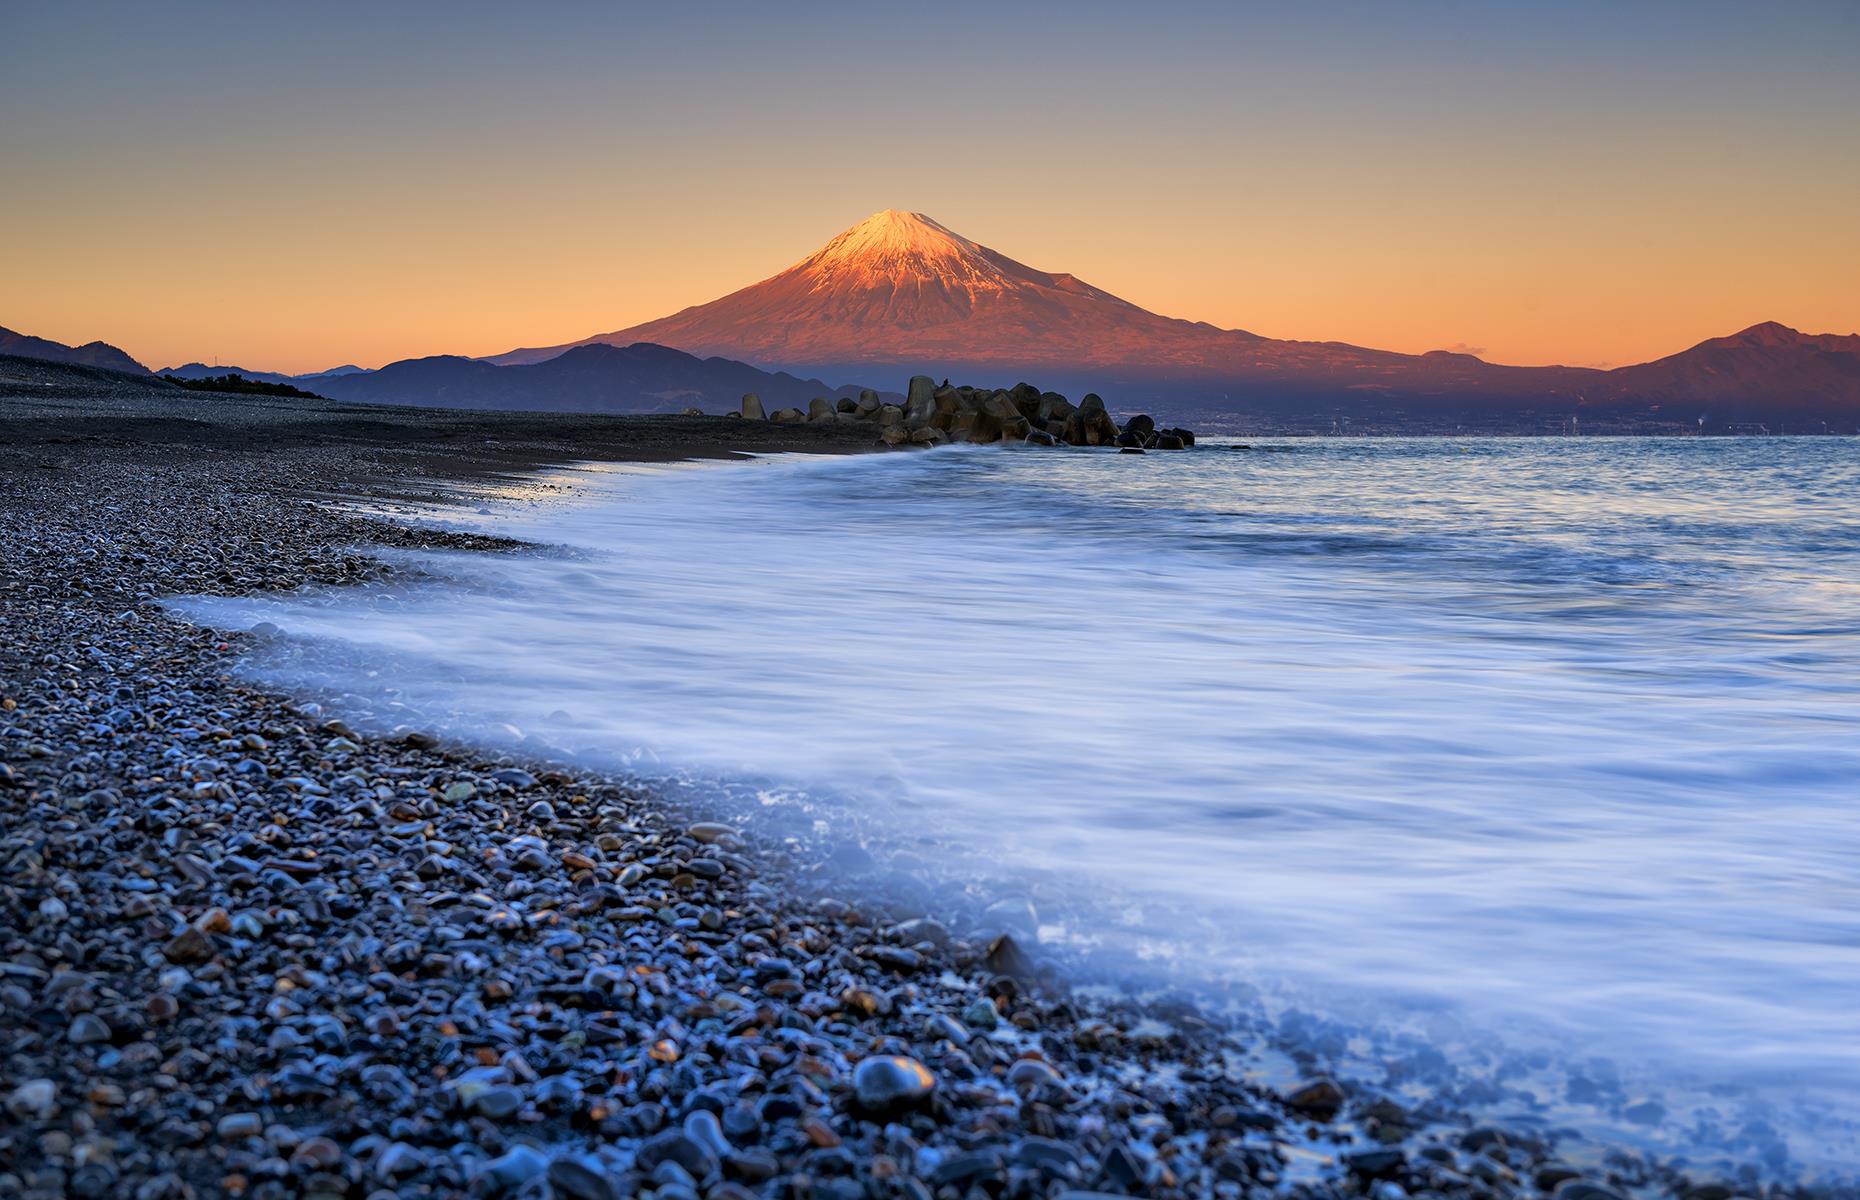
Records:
x=248, y=950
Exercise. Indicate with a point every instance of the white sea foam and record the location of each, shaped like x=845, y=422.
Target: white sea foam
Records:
x=1554, y=734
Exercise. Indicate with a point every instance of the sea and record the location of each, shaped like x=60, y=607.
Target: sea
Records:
x=1544, y=751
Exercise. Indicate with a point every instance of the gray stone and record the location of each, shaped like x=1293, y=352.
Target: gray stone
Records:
x=1053, y=408
x=752, y=408
x=1091, y=425
x=984, y=427
x=676, y=1146
x=1047, y=1154
x=189, y=946
x=397, y=1159
x=318, y=1153
x=920, y=400
x=943, y=1026
x=1375, y=1164
x=703, y=1128
x=514, y=1168
x=234, y=1127
x=981, y=1015
x=88, y=1029
x=1030, y=1074
x=963, y=1168
x=1583, y=1189
x=584, y=1177
x=499, y=1102
x=890, y=1082
x=1319, y=1098
x=558, y=1092
x=1005, y=957
x=33, y=1100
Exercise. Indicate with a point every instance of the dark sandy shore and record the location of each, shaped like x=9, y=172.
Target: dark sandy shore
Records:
x=246, y=950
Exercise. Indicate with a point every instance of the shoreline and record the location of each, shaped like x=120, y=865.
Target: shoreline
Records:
x=250, y=951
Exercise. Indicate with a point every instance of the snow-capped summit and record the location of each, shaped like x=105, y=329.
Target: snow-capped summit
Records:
x=905, y=268
x=894, y=245
x=900, y=268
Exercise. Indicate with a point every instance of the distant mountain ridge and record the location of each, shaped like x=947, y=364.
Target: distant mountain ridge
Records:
x=638, y=378
x=90, y=354
x=199, y=370
x=1768, y=365
x=900, y=293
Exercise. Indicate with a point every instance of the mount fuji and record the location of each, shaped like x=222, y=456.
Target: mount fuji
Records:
x=900, y=294
x=898, y=290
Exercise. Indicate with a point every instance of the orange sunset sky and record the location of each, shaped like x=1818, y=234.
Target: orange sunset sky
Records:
x=290, y=190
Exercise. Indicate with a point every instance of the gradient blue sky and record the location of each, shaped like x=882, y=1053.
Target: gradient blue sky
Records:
x=293, y=186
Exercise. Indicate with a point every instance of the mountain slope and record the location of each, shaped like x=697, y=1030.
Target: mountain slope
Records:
x=1765, y=370
x=638, y=378
x=91, y=354
x=899, y=294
